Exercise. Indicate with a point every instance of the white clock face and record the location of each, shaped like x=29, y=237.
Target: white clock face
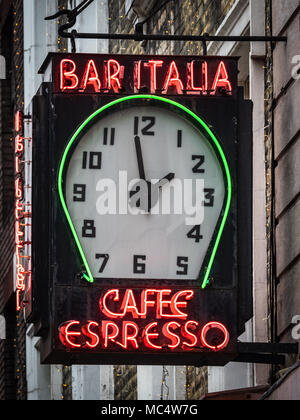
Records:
x=126, y=237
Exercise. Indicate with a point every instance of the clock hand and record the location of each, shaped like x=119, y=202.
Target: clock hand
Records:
x=165, y=180
x=139, y=155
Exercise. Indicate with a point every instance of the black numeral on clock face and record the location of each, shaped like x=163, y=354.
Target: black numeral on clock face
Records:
x=146, y=129
x=182, y=263
x=195, y=233
x=91, y=160
x=139, y=266
x=105, y=258
x=197, y=168
x=79, y=191
x=109, y=141
x=209, y=197
x=88, y=229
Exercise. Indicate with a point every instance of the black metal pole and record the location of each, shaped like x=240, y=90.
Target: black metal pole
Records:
x=144, y=37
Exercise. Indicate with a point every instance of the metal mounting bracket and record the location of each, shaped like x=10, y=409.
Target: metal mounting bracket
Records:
x=265, y=353
x=139, y=36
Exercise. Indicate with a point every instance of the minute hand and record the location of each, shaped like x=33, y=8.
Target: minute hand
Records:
x=139, y=155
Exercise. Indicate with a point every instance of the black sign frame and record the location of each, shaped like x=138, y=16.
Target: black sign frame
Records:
x=55, y=265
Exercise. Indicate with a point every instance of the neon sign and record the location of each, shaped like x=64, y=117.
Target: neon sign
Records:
x=23, y=259
x=150, y=319
x=164, y=75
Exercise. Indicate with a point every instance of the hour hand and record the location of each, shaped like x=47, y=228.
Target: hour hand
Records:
x=163, y=181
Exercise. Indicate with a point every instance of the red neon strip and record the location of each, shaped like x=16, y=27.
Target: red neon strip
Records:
x=127, y=337
x=145, y=303
x=18, y=208
x=91, y=77
x=175, y=304
x=173, y=79
x=18, y=300
x=222, y=328
x=109, y=336
x=19, y=146
x=69, y=76
x=187, y=334
x=113, y=75
x=65, y=334
x=103, y=304
x=129, y=304
x=221, y=79
x=153, y=65
x=18, y=189
x=91, y=335
x=137, y=76
x=204, y=77
x=170, y=335
x=18, y=121
x=148, y=336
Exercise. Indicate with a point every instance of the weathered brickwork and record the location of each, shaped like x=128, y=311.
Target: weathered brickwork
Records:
x=125, y=379
x=181, y=17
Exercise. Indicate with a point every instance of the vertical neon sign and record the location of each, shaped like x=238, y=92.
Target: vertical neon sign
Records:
x=23, y=259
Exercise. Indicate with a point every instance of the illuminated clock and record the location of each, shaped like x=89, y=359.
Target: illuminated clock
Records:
x=146, y=190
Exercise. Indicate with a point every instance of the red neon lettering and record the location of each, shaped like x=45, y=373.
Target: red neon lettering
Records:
x=65, y=334
x=19, y=146
x=137, y=76
x=153, y=64
x=163, y=303
x=18, y=300
x=129, y=304
x=20, y=277
x=17, y=164
x=103, y=304
x=173, y=79
x=68, y=78
x=18, y=188
x=145, y=303
x=204, y=78
x=18, y=121
x=19, y=208
x=148, y=336
x=109, y=335
x=18, y=233
x=219, y=326
x=221, y=79
x=127, y=337
x=170, y=335
x=175, y=304
x=188, y=335
x=94, y=338
x=91, y=77
x=113, y=75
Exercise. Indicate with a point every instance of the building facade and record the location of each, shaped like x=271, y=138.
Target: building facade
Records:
x=269, y=74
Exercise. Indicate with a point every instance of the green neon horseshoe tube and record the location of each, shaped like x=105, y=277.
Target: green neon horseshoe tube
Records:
x=88, y=275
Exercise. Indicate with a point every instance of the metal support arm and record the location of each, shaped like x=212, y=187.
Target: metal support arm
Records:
x=139, y=36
